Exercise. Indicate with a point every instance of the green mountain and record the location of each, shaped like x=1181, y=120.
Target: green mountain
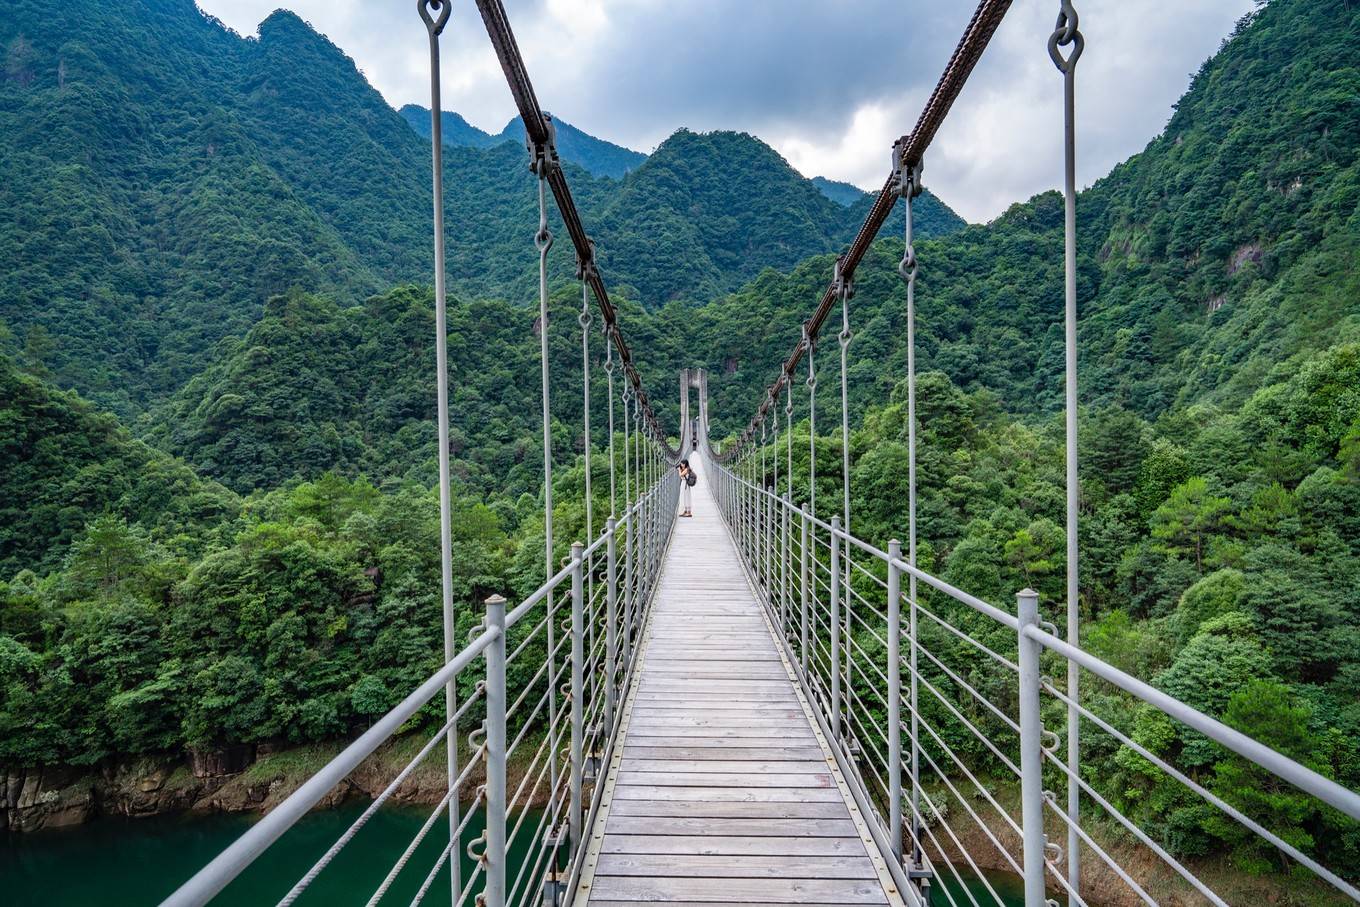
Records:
x=458, y=132
x=990, y=295
x=840, y=193
x=1208, y=264
x=141, y=220
x=161, y=177
x=597, y=156
x=64, y=464
x=315, y=386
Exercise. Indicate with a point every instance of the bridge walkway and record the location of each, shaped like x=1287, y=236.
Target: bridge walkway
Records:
x=724, y=789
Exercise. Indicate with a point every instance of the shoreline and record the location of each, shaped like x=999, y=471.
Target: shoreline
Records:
x=251, y=779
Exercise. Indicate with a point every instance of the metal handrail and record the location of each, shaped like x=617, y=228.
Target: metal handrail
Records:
x=835, y=635
x=632, y=549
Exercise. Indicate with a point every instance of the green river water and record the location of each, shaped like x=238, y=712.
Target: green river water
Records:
x=115, y=862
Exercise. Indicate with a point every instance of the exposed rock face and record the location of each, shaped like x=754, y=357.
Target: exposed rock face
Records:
x=235, y=779
x=51, y=797
x=58, y=796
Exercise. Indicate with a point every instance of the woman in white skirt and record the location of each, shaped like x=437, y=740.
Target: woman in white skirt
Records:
x=687, y=480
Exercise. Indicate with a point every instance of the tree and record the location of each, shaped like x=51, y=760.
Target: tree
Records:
x=1188, y=517
x=1037, y=551
x=1266, y=711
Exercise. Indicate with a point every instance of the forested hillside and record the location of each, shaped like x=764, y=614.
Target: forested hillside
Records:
x=988, y=307
x=161, y=177
x=315, y=387
x=224, y=241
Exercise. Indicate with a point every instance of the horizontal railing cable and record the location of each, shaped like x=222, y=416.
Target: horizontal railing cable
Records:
x=839, y=639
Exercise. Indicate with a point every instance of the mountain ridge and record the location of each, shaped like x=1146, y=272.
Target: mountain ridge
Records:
x=599, y=157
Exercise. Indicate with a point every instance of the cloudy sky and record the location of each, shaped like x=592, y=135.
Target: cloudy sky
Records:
x=829, y=83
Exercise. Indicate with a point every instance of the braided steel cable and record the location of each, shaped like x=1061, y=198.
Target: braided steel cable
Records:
x=538, y=129
x=908, y=153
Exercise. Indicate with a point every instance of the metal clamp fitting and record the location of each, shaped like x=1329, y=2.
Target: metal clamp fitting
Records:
x=543, y=157
x=841, y=284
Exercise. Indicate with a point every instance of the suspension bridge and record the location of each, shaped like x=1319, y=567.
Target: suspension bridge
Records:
x=748, y=706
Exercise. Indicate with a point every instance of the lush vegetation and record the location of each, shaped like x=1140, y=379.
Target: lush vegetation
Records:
x=213, y=239
x=161, y=177
x=1220, y=557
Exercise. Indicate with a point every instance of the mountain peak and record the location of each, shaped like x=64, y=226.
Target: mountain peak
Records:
x=595, y=155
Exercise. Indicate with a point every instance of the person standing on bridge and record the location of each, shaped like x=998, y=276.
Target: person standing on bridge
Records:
x=687, y=480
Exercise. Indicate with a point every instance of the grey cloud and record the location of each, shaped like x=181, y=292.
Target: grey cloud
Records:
x=796, y=71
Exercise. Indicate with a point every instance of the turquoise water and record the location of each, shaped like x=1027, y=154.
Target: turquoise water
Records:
x=115, y=862
x=1008, y=886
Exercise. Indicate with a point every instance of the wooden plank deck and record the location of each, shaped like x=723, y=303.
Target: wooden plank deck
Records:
x=723, y=790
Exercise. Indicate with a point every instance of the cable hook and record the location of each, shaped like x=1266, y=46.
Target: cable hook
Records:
x=1066, y=33
x=435, y=14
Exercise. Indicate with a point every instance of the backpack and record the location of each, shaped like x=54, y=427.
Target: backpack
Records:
x=691, y=479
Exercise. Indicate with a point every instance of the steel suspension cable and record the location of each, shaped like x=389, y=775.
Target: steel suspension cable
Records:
x=788, y=424
x=435, y=15
x=1067, y=34
x=909, y=186
x=609, y=373
x=812, y=424
x=585, y=320
x=912, y=148
x=539, y=132
x=543, y=241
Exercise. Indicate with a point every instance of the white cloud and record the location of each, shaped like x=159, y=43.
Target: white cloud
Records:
x=829, y=83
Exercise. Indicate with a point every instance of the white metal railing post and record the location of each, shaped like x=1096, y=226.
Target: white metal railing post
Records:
x=629, y=578
x=578, y=621
x=803, y=585
x=611, y=623
x=784, y=567
x=1031, y=756
x=771, y=544
x=835, y=579
x=895, y=698
x=495, y=755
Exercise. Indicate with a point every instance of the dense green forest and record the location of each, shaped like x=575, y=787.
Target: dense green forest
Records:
x=1220, y=558
x=163, y=176
x=229, y=534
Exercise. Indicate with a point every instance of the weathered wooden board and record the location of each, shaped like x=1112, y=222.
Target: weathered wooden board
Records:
x=722, y=791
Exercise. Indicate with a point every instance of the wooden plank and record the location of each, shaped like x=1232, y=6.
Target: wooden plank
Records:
x=734, y=845
x=745, y=866
x=744, y=780
x=785, y=734
x=725, y=741
x=707, y=809
x=717, y=794
x=774, y=702
x=718, y=766
x=732, y=721
x=730, y=670
x=733, y=718
x=690, y=750
x=739, y=891
x=742, y=826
